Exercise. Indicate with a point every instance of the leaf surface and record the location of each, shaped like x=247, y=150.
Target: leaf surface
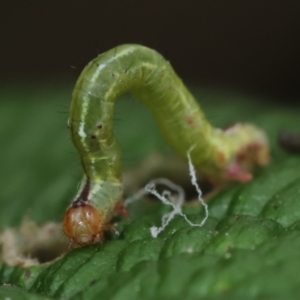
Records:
x=248, y=248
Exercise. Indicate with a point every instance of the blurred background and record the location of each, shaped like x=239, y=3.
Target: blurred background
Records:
x=250, y=46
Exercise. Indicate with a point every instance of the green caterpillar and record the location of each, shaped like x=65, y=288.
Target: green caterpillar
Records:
x=220, y=155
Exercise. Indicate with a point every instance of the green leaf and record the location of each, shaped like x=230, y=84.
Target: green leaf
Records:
x=247, y=249
x=13, y=292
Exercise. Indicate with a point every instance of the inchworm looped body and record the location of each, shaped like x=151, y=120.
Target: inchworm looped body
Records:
x=220, y=155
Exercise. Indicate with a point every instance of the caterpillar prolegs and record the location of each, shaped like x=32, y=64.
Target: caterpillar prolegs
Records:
x=227, y=155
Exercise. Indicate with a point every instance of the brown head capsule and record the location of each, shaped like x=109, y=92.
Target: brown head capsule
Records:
x=83, y=224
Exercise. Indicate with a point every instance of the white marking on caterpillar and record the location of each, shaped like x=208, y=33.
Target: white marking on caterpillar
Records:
x=81, y=132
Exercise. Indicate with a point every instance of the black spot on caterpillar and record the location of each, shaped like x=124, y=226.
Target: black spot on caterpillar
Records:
x=227, y=155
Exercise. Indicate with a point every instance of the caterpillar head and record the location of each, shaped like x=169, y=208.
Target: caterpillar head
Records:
x=83, y=224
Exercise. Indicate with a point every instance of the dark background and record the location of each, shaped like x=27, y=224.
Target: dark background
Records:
x=252, y=46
